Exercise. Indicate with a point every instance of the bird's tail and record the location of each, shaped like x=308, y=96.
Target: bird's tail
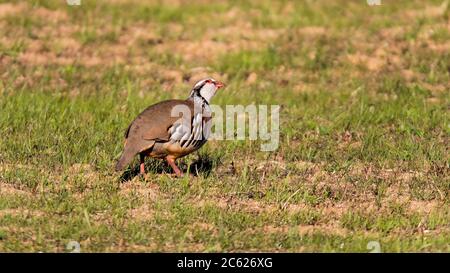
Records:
x=125, y=159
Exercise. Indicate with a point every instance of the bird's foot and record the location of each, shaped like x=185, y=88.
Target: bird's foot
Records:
x=173, y=175
x=181, y=175
x=176, y=175
x=144, y=176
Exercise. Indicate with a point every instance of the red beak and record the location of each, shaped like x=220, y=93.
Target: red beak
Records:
x=219, y=84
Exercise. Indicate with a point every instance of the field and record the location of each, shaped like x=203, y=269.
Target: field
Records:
x=364, y=134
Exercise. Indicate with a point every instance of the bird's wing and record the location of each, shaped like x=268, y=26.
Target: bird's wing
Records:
x=165, y=115
x=153, y=123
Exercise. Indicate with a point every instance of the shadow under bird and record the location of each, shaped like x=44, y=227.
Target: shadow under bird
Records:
x=171, y=129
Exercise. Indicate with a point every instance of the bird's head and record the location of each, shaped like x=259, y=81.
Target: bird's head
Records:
x=206, y=88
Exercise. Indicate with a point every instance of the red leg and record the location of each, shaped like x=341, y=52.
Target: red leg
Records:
x=142, y=166
x=172, y=164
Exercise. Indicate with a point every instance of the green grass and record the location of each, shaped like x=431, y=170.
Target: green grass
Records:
x=364, y=132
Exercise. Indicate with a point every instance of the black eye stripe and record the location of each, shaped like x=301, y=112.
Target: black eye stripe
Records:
x=196, y=92
x=198, y=88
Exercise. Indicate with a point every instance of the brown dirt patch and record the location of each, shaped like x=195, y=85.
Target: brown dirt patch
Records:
x=8, y=9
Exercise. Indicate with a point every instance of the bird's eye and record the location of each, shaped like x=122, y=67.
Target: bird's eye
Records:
x=208, y=81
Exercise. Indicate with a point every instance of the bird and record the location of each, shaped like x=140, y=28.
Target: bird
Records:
x=171, y=129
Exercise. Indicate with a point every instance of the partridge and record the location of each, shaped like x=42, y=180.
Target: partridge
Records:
x=171, y=129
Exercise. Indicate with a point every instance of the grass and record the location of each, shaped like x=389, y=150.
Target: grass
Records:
x=364, y=132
